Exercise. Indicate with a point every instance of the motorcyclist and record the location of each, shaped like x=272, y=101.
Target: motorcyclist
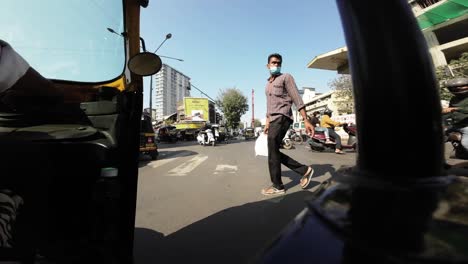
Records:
x=316, y=123
x=328, y=123
x=457, y=110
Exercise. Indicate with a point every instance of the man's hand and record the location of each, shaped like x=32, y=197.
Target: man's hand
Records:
x=310, y=130
x=448, y=110
x=267, y=127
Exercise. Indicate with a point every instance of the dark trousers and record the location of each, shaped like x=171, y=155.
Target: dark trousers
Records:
x=276, y=133
x=337, y=137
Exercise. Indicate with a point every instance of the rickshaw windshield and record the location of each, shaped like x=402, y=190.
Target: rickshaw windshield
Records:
x=67, y=40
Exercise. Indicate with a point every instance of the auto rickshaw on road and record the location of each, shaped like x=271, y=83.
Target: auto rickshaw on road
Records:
x=249, y=133
x=148, y=138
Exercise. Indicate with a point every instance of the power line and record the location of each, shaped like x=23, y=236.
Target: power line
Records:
x=203, y=93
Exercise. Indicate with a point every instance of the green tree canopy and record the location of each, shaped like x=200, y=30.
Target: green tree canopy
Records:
x=459, y=68
x=343, y=87
x=257, y=123
x=233, y=104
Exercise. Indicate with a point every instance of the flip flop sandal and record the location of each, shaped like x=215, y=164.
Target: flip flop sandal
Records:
x=272, y=191
x=308, y=177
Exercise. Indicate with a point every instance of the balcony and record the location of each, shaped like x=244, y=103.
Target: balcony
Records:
x=434, y=12
x=426, y=3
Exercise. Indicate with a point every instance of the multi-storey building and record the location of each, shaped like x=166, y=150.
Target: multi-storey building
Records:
x=170, y=87
x=444, y=24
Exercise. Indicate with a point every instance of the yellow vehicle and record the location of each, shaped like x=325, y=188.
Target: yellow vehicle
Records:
x=188, y=129
x=75, y=114
x=148, y=138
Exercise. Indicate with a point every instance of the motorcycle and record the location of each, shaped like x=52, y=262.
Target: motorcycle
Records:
x=287, y=142
x=454, y=138
x=206, y=137
x=317, y=142
x=295, y=137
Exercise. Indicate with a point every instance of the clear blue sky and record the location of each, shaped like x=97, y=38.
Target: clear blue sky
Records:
x=225, y=44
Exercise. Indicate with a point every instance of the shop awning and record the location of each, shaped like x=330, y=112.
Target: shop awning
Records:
x=335, y=60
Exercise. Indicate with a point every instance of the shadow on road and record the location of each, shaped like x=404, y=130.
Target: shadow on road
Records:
x=233, y=235
x=321, y=172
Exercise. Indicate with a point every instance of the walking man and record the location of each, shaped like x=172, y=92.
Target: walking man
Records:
x=281, y=92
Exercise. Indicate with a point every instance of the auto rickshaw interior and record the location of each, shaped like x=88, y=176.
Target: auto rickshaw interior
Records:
x=69, y=165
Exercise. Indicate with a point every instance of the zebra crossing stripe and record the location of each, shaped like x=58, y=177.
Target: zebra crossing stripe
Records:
x=186, y=167
x=161, y=162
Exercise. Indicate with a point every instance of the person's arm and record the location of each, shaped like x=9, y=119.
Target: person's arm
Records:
x=329, y=121
x=267, y=125
x=310, y=130
x=447, y=110
x=291, y=88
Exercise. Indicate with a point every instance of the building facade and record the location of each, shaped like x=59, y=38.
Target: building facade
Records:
x=170, y=87
x=444, y=24
x=307, y=94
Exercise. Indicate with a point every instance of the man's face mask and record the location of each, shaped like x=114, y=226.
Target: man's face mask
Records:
x=275, y=70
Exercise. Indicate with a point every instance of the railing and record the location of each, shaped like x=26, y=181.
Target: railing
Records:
x=426, y=3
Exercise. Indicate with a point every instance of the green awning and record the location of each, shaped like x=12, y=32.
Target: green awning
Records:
x=449, y=10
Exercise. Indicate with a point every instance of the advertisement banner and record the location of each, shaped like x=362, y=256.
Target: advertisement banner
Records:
x=349, y=119
x=196, y=109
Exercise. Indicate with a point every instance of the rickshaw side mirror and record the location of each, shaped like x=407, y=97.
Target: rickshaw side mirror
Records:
x=145, y=64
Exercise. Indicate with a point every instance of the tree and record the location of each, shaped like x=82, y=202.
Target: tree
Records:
x=459, y=68
x=343, y=87
x=241, y=125
x=233, y=104
x=257, y=123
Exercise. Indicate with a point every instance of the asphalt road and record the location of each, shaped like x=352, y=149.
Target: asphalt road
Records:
x=203, y=204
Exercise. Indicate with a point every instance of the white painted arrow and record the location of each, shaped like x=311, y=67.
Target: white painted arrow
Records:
x=225, y=168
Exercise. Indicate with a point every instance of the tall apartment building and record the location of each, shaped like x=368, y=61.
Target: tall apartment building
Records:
x=170, y=87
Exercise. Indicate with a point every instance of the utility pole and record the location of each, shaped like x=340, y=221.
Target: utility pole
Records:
x=253, y=109
x=151, y=98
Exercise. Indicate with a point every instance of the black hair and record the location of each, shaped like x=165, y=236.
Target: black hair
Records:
x=275, y=55
x=315, y=113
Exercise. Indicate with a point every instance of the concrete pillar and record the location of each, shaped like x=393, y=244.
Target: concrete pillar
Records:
x=438, y=57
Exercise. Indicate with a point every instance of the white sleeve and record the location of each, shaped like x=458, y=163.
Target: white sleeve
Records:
x=12, y=66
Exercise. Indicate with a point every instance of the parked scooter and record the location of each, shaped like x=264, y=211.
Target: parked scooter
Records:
x=317, y=142
x=206, y=137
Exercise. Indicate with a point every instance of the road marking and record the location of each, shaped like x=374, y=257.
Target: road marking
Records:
x=159, y=163
x=186, y=167
x=225, y=168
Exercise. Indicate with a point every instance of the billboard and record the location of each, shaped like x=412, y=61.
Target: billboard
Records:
x=196, y=109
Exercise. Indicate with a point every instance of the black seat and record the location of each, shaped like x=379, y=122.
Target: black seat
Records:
x=52, y=160
x=105, y=112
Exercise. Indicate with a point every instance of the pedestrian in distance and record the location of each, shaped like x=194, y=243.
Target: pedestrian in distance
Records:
x=281, y=91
